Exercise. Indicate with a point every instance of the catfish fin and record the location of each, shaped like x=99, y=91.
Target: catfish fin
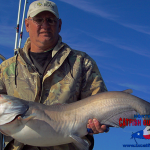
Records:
x=114, y=119
x=10, y=108
x=80, y=143
x=26, y=118
x=128, y=91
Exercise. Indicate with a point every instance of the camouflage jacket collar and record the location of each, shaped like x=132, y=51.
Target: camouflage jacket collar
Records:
x=60, y=45
x=59, y=55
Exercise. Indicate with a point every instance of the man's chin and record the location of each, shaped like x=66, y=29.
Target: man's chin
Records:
x=47, y=41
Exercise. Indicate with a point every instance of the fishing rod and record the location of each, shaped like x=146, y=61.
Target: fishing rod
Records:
x=17, y=28
x=21, y=33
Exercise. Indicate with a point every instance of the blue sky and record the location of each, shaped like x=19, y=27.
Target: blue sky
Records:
x=115, y=33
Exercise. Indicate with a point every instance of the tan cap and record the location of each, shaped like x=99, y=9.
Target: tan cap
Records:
x=42, y=5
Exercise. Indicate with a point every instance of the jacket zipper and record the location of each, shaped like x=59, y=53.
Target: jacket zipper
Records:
x=41, y=79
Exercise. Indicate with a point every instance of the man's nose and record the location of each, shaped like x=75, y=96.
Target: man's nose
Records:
x=45, y=24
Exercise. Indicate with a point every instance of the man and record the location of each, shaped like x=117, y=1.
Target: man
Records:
x=48, y=71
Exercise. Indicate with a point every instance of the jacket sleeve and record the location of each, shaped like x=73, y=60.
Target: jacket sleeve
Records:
x=2, y=85
x=92, y=83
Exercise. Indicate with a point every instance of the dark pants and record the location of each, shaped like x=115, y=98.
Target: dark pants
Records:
x=1, y=141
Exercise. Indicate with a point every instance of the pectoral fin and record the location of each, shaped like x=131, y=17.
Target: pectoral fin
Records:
x=26, y=118
x=80, y=143
x=10, y=108
x=114, y=119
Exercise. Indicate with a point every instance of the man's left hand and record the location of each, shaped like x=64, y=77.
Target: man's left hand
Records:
x=96, y=126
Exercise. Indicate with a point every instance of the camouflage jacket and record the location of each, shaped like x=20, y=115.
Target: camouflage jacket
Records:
x=70, y=76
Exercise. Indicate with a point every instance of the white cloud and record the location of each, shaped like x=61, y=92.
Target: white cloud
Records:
x=72, y=39
x=89, y=7
x=144, y=75
x=139, y=28
x=119, y=44
x=141, y=88
x=102, y=12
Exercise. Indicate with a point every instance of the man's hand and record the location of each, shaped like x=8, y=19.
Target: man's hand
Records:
x=96, y=126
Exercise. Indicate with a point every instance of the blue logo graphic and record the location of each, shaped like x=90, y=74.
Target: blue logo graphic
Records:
x=142, y=134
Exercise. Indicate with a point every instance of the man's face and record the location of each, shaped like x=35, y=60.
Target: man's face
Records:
x=44, y=36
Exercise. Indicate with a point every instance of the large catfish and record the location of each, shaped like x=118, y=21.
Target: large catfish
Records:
x=40, y=125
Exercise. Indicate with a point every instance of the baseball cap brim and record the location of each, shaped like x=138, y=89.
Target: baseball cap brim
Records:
x=41, y=10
